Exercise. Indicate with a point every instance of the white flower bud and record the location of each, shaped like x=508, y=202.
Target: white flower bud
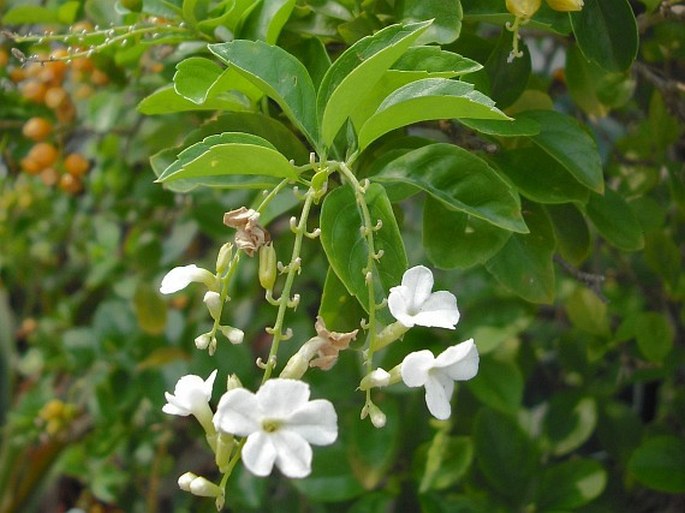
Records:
x=378, y=418
x=224, y=258
x=204, y=488
x=233, y=381
x=234, y=335
x=185, y=480
x=213, y=301
x=202, y=342
x=377, y=378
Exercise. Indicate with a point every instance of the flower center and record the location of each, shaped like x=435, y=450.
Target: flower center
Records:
x=271, y=425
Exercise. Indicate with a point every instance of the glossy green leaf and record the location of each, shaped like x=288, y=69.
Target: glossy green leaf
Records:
x=540, y=177
x=571, y=484
x=331, y=479
x=588, y=312
x=166, y=100
x=654, y=334
x=507, y=79
x=606, y=32
x=266, y=20
x=615, y=220
x=347, y=250
x=279, y=75
x=358, y=69
x=571, y=231
x=524, y=265
x=505, y=454
x=459, y=180
x=564, y=140
x=498, y=385
x=435, y=61
x=453, y=239
x=446, y=18
x=427, y=99
x=503, y=128
x=230, y=153
x=659, y=464
x=28, y=14
x=569, y=421
x=197, y=79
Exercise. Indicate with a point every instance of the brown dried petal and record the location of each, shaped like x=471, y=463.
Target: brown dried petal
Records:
x=250, y=235
x=241, y=218
x=334, y=343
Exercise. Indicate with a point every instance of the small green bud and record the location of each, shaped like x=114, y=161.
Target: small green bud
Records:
x=224, y=258
x=267, y=266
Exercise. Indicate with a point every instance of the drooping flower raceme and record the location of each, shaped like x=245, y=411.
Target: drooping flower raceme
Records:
x=280, y=423
x=438, y=374
x=191, y=397
x=412, y=303
x=180, y=277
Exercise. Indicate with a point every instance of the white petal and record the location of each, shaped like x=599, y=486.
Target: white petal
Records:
x=438, y=311
x=293, y=453
x=238, y=413
x=213, y=301
x=259, y=454
x=419, y=281
x=180, y=277
x=209, y=384
x=399, y=303
x=279, y=398
x=463, y=360
x=190, y=393
x=439, y=388
x=316, y=422
x=415, y=367
x=171, y=408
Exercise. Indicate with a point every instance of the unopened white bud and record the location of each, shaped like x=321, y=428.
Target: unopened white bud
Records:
x=202, y=341
x=377, y=378
x=213, y=301
x=185, y=480
x=204, y=488
x=378, y=418
x=224, y=258
x=234, y=335
x=233, y=381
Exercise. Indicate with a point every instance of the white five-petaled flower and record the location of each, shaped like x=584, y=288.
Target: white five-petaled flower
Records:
x=412, y=303
x=180, y=277
x=438, y=374
x=191, y=397
x=280, y=423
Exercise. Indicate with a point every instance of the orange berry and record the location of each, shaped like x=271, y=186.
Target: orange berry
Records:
x=83, y=91
x=45, y=154
x=55, y=97
x=34, y=91
x=66, y=112
x=53, y=72
x=82, y=64
x=4, y=57
x=17, y=75
x=76, y=164
x=99, y=78
x=37, y=129
x=70, y=184
x=33, y=69
x=30, y=165
x=49, y=176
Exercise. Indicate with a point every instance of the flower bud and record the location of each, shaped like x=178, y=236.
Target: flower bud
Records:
x=566, y=5
x=233, y=381
x=267, y=266
x=224, y=258
x=224, y=447
x=377, y=378
x=234, y=335
x=214, y=305
x=523, y=8
x=202, y=342
x=204, y=488
x=185, y=480
x=378, y=418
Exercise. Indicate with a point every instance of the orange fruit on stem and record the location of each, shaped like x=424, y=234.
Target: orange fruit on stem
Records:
x=55, y=97
x=76, y=164
x=34, y=91
x=37, y=129
x=70, y=183
x=45, y=154
x=50, y=176
x=30, y=165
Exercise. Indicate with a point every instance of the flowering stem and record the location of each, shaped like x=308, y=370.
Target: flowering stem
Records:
x=367, y=230
x=293, y=269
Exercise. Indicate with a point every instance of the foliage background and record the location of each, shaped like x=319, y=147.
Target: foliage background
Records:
x=579, y=404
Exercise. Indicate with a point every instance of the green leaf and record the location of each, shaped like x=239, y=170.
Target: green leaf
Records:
x=571, y=484
x=448, y=458
x=499, y=441
x=435, y=61
x=150, y=308
x=564, y=140
x=507, y=79
x=460, y=181
x=347, y=250
x=654, y=335
x=357, y=70
x=340, y=311
x=503, y=128
x=662, y=255
x=279, y=75
x=571, y=231
x=166, y=100
x=615, y=220
x=524, y=265
x=266, y=20
x=569, y=421
x=476, y=240
x=331, y=479
x=540, y=177
x=197, y=79
x=446, y=18
x=588, y=312
x=427, y=99
x=498, y=385
x=659, y=464
x=606, y=32
x=30, y=14
x=230, y=153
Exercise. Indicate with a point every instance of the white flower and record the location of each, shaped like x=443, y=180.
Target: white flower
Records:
x=413, y=303
x=280, y=422
x=180, y=277
x=191, y=397
x=437, y=375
